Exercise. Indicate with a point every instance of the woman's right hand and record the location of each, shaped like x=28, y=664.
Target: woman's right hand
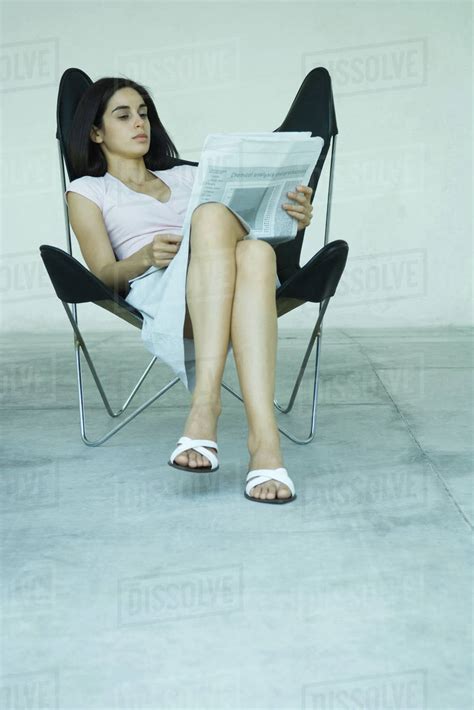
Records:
x=162, y=250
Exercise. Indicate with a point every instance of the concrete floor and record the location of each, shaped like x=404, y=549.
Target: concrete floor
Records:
x=128, y=584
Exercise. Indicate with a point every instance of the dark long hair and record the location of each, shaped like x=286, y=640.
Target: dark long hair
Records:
x=86, y=157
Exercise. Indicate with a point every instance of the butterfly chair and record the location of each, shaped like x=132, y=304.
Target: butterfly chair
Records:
x=316, y=282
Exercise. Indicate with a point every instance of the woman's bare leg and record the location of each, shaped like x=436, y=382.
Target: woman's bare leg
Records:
x=254, y=334
x=210, y=291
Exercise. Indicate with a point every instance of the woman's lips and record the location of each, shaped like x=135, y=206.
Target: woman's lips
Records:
x=140, y=138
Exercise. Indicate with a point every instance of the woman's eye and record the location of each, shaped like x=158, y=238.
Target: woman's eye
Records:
x=143, y=115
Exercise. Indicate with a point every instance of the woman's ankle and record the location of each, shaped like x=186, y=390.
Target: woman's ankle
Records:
x=267, y=442
x=206, y=402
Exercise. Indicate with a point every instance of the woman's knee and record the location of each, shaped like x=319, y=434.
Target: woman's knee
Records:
x=216, y=219
x=251, y=254
x=208, y=208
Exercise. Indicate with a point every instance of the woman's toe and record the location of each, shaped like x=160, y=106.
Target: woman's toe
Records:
x=255, y=492
x=270, y=495
x=283, y=491
x=270, y=491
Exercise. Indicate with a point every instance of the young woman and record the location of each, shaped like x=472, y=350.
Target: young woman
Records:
x=200, y=296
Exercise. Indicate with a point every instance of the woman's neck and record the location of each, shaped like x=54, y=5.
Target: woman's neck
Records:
x=131, y=173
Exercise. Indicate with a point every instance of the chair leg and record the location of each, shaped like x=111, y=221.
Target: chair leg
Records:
x=315, y=336
x=79, y=345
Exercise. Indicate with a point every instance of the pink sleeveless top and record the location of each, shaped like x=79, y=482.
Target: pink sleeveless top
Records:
x=133, y=218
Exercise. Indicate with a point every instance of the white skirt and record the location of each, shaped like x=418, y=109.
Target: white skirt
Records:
x=160, y=296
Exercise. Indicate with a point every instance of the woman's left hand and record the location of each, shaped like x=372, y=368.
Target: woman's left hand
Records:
x=303, y=209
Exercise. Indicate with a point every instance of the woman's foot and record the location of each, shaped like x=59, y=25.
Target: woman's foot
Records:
x=268, y=457
x=201, y=424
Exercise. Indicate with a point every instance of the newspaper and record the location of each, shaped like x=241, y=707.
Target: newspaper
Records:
x=251, y=173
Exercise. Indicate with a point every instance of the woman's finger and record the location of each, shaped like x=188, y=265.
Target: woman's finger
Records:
x=299, y=215
x=167, y=248
x=289, y=206
x=297, y=196
x=302, y=199
x=306, y=189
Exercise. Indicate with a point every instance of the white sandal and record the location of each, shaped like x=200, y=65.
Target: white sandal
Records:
x=185, y=443
x=262, y=475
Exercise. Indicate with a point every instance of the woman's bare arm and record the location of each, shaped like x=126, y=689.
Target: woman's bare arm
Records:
x=88, y=224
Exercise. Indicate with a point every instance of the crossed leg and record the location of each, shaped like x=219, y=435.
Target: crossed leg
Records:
x=231, y=296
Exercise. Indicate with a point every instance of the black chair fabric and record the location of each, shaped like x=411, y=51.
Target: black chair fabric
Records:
x=312, y=110
x=318, y=279
x=74, y=283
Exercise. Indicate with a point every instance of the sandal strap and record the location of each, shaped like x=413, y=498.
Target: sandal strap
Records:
x=262, y=475
x=185, y=443
x=199, y=442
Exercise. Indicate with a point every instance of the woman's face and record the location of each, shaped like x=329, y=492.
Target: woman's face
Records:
x=125, y=117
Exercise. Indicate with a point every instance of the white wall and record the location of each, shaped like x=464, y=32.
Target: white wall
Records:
x=402, y=81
